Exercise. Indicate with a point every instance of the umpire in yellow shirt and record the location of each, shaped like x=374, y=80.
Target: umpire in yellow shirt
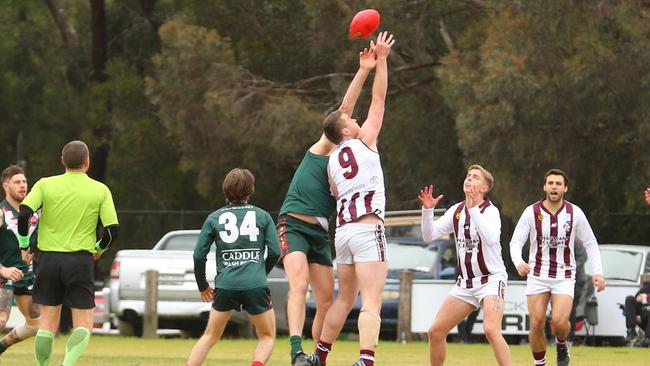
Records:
x=71, y=205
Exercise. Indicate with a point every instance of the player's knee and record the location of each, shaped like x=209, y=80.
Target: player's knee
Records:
x=267, y=338
x=436, y=333
x=3, y=324
x=324, y=304
x=298, y=288
x=492, y=332
x=560, y=322
x=537, y=325
x=211, y=337
x=346, y=300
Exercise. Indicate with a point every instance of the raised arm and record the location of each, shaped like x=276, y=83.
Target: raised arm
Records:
x=431, y=229
x=370, y=129
x=366, y=63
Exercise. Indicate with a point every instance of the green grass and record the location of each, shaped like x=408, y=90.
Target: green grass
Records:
x=119, y=351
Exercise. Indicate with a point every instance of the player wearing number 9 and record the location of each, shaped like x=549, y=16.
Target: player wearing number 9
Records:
x=242, y=234
x=357, y=181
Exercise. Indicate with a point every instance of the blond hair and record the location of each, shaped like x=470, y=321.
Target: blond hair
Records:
x=486, y=175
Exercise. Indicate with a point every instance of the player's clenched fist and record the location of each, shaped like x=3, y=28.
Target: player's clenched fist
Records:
x=11, y=273
x=523, y=269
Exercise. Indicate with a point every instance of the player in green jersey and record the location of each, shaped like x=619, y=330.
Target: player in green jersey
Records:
x=242, y=234
x=72, y=205
x=303, y=227
x=17, y=276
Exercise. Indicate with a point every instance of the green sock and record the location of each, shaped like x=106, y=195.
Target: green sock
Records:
x=77, y=343
x=296, y=345
x=3, y=346
x=43, y=347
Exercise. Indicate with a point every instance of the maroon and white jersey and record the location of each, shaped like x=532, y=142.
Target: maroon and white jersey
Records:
x=552, y=241
x=356, y=171
x=477, y=232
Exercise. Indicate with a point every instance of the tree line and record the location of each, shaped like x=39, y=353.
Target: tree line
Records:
x=170, y=95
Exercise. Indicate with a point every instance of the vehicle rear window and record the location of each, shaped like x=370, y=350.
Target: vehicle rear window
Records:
x=181, y=242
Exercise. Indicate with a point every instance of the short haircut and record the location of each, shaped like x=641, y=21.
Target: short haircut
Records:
x=333, y=125
x=488, y=176
x=10, y=171
x=239, y=185
x=557, y=172
x=74, y=153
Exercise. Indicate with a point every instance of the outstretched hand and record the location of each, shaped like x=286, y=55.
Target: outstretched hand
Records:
x=426, y=197
x=383, y=45
x=367, y=58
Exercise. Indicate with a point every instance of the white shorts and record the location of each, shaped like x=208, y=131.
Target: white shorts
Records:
x=356, y=242
x=495, y=286
x=558, y=286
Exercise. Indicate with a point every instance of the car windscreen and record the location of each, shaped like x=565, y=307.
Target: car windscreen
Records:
x=414, y=257
x=181, y=242
x=619, y=264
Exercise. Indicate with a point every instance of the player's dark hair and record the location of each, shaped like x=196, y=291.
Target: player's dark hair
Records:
x=557, y=172
x=332, y=126
x=74, y=153
x=10, y=171
x=239, y=185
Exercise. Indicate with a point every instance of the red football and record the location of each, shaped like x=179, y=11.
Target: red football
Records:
x=364, y=23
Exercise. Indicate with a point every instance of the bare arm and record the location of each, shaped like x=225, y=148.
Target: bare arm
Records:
x=370, y=130
x=366, y=63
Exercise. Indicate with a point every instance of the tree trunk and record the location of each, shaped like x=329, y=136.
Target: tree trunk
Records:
x=99, y=55
x=60, y=16
x=147, y=7
x=98, y=26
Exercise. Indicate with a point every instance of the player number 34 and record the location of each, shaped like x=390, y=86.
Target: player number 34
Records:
x=231, y=233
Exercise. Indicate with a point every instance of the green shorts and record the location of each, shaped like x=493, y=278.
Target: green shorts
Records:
x=295, y=235
x=22, y=287
x=254, y=301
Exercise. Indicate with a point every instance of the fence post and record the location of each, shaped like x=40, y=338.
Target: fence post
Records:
x=404, y=311
x=150, y=317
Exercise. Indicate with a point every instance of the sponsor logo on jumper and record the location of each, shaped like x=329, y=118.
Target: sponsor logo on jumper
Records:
x=239, y=257
x=358, y=188
x=467, y=246
x=554, y=242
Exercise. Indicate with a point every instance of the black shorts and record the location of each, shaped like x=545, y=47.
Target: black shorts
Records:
x=254, y=301
x=65, y=278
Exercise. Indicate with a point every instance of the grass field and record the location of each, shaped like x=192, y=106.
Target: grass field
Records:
x=118, y=351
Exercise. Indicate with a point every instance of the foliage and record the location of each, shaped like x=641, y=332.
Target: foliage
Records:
x=194, y=88
x=538, y=86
